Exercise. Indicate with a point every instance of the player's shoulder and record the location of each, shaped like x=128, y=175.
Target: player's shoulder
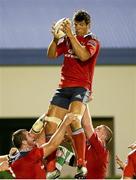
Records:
x=132, y=153
x=92, y=39
x=91, y=36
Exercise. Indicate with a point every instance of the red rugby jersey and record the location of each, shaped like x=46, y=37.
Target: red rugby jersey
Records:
x=30, y=166
x=97, y=159
x=74, y=72
x=130, y=168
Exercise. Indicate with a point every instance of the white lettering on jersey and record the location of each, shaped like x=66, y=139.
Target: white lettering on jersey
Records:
x=71, y=56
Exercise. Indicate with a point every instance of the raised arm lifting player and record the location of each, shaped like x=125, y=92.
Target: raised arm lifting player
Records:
x=129, y=167
x=80, y=52
x=28, y=161
x=97, y=155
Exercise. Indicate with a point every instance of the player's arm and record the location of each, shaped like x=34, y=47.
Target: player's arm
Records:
x=87, y=123
x=52, y=48
x=84, y=52
x=4, y=166
x=127, y=177
x=128, y=171
x=120, y=162
x=58, y=136
x=3, y=158
x=79, y=49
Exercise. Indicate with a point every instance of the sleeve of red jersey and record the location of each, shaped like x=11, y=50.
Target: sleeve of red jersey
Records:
x=96, y=143
x=129, y=169
x=61, y=48
x=92, y=46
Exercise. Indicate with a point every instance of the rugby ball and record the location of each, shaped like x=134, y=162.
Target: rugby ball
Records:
x=57, y=28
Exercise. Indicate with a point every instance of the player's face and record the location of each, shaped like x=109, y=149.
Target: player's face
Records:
x=30, y=139
x=81, y=28
x=100, y=131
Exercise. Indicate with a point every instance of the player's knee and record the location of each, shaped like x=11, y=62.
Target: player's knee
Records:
x=76, y=123
x=74, y=116
x=75, y=126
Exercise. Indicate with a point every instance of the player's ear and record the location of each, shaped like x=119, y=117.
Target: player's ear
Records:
x=105, y=136
x=24, y=142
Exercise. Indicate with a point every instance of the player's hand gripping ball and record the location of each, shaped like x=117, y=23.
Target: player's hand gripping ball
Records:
x=58, y=29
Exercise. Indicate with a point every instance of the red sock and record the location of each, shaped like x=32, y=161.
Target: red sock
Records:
x=80, y=145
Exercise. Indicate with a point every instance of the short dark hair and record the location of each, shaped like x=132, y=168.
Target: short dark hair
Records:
x=17, y=137
x=108, y=134
x=82, y=15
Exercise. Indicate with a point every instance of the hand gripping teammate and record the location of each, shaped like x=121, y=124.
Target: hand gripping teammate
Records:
x=28, y=161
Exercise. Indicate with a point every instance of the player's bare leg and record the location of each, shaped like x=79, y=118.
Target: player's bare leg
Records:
x=54, y=117
x=86, y=122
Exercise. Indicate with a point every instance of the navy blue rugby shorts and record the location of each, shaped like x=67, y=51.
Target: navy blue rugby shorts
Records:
x=64, y=96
